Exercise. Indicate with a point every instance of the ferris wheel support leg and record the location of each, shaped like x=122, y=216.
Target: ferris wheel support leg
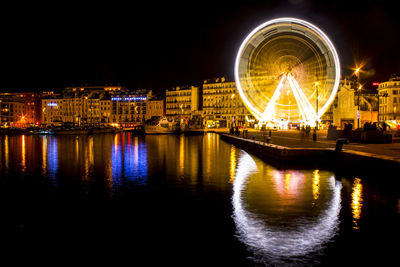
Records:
x=303, y=113
x=305, y=107
x=269, y=111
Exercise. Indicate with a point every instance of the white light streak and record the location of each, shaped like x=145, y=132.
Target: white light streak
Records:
x=269, y=111
x=306, y=109
x=336, y=64
x=273, y=244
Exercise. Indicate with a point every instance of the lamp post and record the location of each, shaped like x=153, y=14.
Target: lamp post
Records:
x=316, y=105
x=358, y=105
x=384, y=95
x=234, y=119
x=356, y=72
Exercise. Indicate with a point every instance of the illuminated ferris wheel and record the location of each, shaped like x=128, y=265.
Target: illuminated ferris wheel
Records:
x=287, y=70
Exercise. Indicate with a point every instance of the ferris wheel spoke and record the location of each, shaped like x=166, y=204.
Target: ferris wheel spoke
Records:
x=306, y=109
x=269, y=111
x=298, y=99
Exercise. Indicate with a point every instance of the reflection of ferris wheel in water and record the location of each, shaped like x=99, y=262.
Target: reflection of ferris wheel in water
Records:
x=287, y=70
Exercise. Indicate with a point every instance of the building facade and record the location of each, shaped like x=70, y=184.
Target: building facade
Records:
x=12, y=114
x=155, y=108
x=353, y=106
x=129, y=108
x=52, y=111
x=182, y=101
x=95, y=106
x=389, y=99
x=31, y=114
x=223, y=105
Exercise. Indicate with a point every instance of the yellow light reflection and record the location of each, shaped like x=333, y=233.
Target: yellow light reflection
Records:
x=23, y=160
x=91, y=152
x=209, y=153
x=181, y=153
x=76, y=148
x=233, y=164
x=44, y=154
x=6, y=150
x=356, y=203
x=287, y=182
x=315, y=184
x=86, y=156
x=116, y=142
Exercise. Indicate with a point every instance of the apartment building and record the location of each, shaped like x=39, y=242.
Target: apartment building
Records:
x=182, y=101
x=223, y=104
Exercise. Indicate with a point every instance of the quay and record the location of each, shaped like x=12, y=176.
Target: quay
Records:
x=285, y=148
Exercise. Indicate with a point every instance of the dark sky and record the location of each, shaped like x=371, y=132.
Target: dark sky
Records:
x=159, y=45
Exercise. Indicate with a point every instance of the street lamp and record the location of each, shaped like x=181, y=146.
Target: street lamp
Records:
x=358, y=105
x=316, y=105
x=234, y=119
x=384, y=95
x=357, y=73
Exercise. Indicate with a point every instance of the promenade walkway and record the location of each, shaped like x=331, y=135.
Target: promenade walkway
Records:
x=293, y=139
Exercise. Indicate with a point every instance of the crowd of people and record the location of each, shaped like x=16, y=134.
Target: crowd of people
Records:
x=234, y=130
x=368, y=126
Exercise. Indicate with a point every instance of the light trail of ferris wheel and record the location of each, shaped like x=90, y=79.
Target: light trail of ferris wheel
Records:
x=277, y=44
x=308, y=113
x=306, y=110
x=269, y=112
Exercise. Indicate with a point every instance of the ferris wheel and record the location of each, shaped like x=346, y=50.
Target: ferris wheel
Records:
x=287, y=70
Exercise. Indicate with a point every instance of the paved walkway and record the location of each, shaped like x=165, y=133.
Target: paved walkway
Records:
x=293, y=138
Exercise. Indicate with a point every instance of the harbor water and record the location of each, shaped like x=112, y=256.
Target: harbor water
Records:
x=185, y=200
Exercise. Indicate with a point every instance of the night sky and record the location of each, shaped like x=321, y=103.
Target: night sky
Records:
x=160, y=45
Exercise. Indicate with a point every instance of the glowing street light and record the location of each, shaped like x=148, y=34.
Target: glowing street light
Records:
x=356, y=72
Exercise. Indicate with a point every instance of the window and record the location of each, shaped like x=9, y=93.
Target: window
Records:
x=395, y=92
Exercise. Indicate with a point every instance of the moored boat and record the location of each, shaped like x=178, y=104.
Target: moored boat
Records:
x=161, y=126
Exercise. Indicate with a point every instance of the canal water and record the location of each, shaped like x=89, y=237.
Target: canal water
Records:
x=185, y=200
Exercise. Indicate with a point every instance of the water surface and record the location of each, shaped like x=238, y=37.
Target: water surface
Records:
x=185, y=200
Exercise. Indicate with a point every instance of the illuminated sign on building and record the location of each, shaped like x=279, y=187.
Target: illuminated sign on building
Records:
x=136, y=98
x=52, y=104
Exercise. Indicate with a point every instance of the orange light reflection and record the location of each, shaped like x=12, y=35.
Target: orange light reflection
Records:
x=356, y=203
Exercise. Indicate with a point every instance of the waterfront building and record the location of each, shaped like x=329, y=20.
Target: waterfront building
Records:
x=222, y=104
x=155, y=108
x=389, y=99
x=89, y=105
x=95, y=105
x=72, y=105
x=129, y=108
x=105, y=108
x=52, y=111
x=182, y=101
x=12, y=113
x=353, y=105
x=32, y=106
